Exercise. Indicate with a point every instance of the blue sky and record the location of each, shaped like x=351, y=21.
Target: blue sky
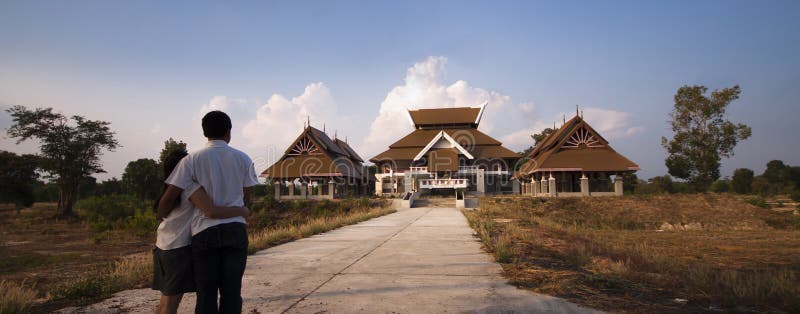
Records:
x=152, y=68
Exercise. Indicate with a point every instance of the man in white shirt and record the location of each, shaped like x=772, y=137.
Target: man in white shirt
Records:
x=219, y=246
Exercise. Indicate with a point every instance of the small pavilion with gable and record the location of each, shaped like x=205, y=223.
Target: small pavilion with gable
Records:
x=317, y=167
x=575, y=160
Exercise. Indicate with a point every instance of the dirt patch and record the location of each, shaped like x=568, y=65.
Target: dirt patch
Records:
x=671, y=253
x=45, y=252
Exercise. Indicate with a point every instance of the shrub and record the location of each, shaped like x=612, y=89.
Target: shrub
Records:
x=110, y=207
x=269, y=202
x=118, y=212
x=721, y=186
x=15, y=298
x=796, y=196
x=757, y=201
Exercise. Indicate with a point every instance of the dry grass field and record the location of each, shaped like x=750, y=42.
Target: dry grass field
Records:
x=47, y=263
x=659, y=253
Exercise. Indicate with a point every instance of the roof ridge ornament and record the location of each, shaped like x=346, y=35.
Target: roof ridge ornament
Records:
x=480, y=113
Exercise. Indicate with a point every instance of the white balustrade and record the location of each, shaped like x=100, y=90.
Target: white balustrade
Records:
x=443, y=183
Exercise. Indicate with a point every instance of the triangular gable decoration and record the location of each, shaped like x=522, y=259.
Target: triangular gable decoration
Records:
x=582, y=137
x=304, y=146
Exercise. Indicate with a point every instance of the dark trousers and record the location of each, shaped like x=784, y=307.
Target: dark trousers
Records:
x=220, y=255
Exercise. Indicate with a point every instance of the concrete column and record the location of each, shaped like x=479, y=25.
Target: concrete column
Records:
x=291, y=188
x=552, y=185
x=277, y=187
x=319, y=188
x=544, y=185
x=480, y=182
x=535, y=189
x=378, y=184
x=408, y=181
x=584, y=185
x=618, y=185
x=515, y=187
x=331, y=188
x=303, y=190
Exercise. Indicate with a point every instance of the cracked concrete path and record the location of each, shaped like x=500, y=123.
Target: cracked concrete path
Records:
x=420, y=260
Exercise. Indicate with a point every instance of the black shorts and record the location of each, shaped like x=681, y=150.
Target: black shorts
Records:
x=172, y=271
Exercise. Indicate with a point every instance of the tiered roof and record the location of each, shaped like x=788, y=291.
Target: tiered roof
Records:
x=456, y=124
x=314, y=154
x=576, y=146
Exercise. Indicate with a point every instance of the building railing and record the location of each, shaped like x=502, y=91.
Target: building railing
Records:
x=442, y=183
x=467, y=169
x=419, y=169
x=474, y=169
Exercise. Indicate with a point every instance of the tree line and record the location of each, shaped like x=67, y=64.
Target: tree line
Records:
x=70, y=149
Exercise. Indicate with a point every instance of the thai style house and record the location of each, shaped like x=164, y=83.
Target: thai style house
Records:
x=446, y=152
x=317, y=167
x=574, y=160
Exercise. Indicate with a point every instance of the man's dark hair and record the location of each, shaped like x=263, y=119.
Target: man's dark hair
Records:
x=216, y=124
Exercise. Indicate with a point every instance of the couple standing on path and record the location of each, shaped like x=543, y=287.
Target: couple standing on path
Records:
x=201, y=243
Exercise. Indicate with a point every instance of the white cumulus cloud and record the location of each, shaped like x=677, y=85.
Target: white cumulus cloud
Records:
x=265, y=130
x=424, y=88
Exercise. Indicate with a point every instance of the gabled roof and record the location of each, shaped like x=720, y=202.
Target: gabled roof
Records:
x=576, y=146
x=314, y=154
x=465, y=136
x=347, y=149
x=446, y=116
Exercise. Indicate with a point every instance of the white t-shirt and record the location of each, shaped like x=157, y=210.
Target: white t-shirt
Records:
x=173, y=231
x=223, y=171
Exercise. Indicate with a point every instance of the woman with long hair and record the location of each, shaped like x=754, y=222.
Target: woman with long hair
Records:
x=173, y=273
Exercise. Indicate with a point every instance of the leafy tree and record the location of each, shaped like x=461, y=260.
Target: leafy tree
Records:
x=538, y=137
x=88, y=187
x=141, y=178
x=742, y=181
x=70, y=147
x=46, y=192
x=721, y=186
x=170, y=146
x=542, y=135
x=780, y=178
x=630, y=182
x=775, y=172
x=655, y=185
x=761, y=186
x=662, y=184
x=702, y=137
x=17, y=179
x=109, y=187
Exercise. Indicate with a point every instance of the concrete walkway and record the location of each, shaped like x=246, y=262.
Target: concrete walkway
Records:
x=420, y=260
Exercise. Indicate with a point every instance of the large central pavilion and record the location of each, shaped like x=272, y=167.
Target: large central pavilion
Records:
x=446, y=152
